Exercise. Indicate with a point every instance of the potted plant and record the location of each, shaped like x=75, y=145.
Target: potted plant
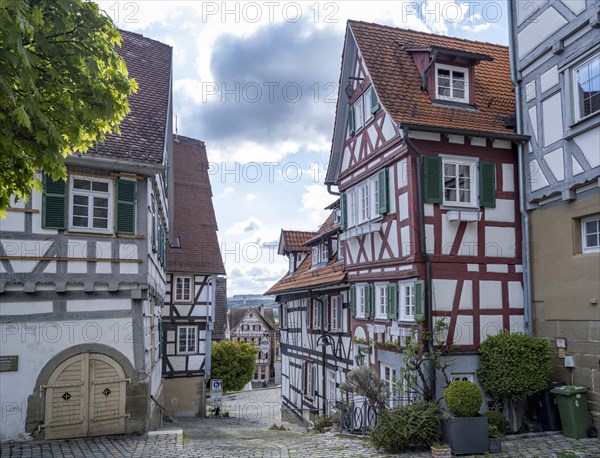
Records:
x=466, y=431
x=441, y=451
x=497, y=428
x=494, y=435
x=514, y=366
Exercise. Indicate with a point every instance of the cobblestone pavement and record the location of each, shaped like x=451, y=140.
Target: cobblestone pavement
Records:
x=246, y=434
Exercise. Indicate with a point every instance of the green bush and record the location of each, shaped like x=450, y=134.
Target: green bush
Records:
x=463, y=398
x=514, y=365
x=497, y=419
x=408, y=427
x=493, y=431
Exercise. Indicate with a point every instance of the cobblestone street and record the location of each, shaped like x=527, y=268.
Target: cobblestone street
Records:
x=246, y=434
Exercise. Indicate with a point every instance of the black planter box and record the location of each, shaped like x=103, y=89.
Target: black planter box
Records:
x=466, y=435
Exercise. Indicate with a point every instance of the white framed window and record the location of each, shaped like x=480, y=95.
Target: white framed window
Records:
x=341, y=249
x=407, y=301
x=183, y=289
x=91, y=204
x=361, y=300
x=324, y=253
x=459, y=182
x=586, y=87
x=461, y=377
x=352, y=208
x=336, y=313
x=590, y=234
x=316, y=314
x=374, y=184
x=292, y=263
x=364, y=197
x=315, y=255
x=331, y=390
x=359, y=113
x=390, y=376
x=452, y=83
x=381, y=297
x=256, y=327
x=187, y=339
x=311, y=379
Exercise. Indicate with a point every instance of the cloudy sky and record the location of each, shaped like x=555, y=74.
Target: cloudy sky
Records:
x=258, y=82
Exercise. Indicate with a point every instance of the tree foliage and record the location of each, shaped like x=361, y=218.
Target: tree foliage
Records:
x=514, y=365
x=426, y=348
x=364, y=381
x=234, y=363
x=63, y=87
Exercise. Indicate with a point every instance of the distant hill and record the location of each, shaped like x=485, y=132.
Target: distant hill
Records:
x=251, y=300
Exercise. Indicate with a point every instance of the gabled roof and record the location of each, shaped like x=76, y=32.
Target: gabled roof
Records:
x=293, y=241
x=306, y=278
x=144, y=129
x=194, y=219
x=398, y=82
x=237, y=314
x=327, y=228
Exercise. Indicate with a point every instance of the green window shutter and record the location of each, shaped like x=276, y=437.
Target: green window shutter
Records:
x=374, y=101
x=419, y=300
x=351, y=123
x=343, y=211
x=432, y=174
x=353, y=301
x=54, y=203
x=126, y=199
x=153, y=224
x=383, y=191
x=160, y=244
x=487, y=184
x=370, y=312
x=160, y=339
x=392, y=309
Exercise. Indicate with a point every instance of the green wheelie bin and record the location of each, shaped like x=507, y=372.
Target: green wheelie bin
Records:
x=572, y=405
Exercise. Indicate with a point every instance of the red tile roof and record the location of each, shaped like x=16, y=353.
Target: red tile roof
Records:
x=295, y=240
x=304, y=277
x=143, y=130
x=194, y=219
x=398, y=82
x=328, y=227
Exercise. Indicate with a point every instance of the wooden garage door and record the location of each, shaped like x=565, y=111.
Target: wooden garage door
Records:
x=85, y=396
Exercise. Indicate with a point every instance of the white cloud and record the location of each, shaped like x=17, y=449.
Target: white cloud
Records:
x=250, y=197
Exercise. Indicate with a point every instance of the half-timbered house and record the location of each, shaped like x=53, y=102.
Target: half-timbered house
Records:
x=256, y=325
x=424, y=155
x=82, y=277
x=556, y=57
x=314, y=321
x=194, y=263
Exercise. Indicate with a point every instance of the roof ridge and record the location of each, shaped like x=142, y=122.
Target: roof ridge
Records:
x=129, y=32
x=426, y=33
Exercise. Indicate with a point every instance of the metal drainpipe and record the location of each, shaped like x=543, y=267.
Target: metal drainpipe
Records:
x=528, y=311
x=428, y=296
x=333, y=193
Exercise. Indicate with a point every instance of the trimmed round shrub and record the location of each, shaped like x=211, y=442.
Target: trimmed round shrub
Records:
x=514, y=365
x=408, y=427
x=497, y=419
x=463, y=398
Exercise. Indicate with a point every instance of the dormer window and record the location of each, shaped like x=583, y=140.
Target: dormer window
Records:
x=452, y=83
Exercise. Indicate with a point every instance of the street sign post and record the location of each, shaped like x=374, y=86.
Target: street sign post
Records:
x=216, y=393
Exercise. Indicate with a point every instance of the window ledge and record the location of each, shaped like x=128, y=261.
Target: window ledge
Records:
x=363, y=228
x=469, y=216
x=583, y=125
x=455, y=104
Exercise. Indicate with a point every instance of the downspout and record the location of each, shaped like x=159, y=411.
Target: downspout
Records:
x=528, y=312
x=428, y=296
